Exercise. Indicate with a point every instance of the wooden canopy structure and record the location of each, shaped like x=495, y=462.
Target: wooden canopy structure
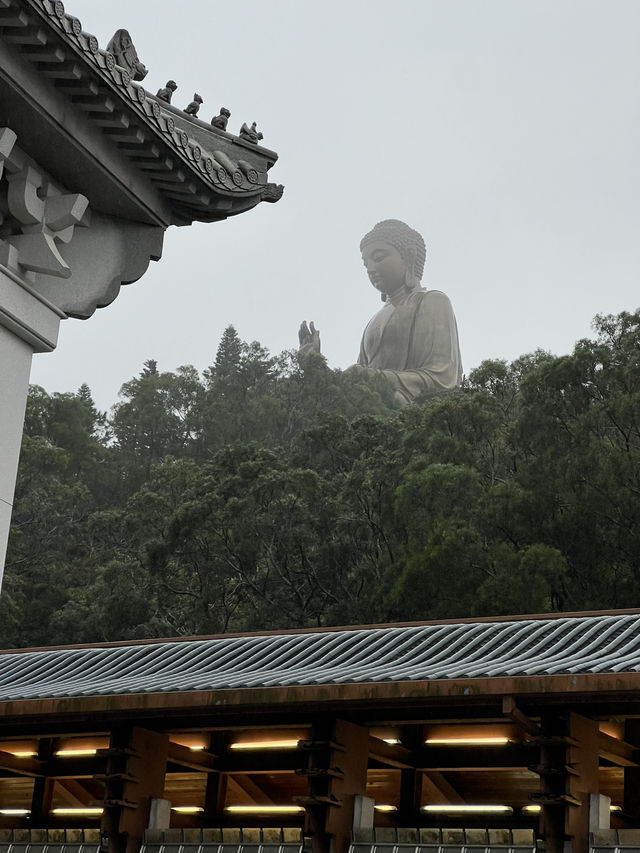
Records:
x=528, y=723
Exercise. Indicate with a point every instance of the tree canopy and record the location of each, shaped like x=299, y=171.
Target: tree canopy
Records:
x=268, y=494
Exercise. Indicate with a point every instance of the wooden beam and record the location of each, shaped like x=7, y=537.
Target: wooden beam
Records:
x=511, y=710
x=263, y=761
x=439, y=790
x=200, y=760
x=390, y=754
x=23, y=766
x=619, y=689
x=74, y=793
x=510, y=756
x=618, y=751
x=248, y=786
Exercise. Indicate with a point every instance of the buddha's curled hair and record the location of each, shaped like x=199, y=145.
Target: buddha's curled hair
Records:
x=403, y=238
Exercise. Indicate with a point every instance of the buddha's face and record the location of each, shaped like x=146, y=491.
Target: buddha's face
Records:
x=385, y=266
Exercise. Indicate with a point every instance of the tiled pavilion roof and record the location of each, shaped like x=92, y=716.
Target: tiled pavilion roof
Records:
x=541, y=646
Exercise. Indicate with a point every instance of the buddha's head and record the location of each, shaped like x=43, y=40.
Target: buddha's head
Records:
x=394, y=256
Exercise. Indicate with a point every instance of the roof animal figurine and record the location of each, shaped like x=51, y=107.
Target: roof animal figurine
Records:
x=250, y=134
x=194, y=106
x=166, y=93
x=220, y=121
x=126, y=55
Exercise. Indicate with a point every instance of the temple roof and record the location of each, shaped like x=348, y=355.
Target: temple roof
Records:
x=80, y=114
x=484, y=649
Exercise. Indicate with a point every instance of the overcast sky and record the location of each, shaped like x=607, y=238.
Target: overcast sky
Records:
x=506, y=131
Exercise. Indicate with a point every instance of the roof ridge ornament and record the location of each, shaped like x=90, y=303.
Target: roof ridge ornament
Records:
x=126, y=55
x=172, y=147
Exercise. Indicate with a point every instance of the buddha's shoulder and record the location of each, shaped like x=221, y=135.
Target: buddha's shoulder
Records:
x=432, y=298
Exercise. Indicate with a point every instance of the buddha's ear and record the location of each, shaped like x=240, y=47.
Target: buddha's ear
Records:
x=410, y=278
x=409, y=255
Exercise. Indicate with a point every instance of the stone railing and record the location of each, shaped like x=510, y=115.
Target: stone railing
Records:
x=225, y=840
x=49, y=840
x=606, y=840
x=434, y=839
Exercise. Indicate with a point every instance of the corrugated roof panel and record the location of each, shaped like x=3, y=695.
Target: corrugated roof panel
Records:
x=572, y=644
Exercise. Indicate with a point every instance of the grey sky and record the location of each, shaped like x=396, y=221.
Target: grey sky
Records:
x=506, y=131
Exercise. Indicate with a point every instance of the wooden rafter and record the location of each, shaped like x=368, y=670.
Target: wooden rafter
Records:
x=438, y=790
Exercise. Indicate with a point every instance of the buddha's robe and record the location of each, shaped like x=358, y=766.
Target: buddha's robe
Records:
x=413, y=342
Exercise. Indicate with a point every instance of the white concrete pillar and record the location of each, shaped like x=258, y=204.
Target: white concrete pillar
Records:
x=28, y=324
x=599, y=812
x=363, y=812
x=15, y=363
x=57, y=260
x=159, y=813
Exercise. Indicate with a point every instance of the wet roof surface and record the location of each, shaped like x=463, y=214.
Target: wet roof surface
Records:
x=540, y=646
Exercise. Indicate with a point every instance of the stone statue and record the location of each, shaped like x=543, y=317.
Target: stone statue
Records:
x=413, y=340
x=220, y=121
x=166, y=93
x=250, y=134
x=194, y=106
x=126, y=55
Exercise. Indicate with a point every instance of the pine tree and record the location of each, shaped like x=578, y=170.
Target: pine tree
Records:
x=229, y=354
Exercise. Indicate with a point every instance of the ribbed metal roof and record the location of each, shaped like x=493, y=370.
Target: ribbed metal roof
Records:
x=577, y=644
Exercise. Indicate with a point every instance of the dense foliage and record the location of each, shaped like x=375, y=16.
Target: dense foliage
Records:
x=269, y=494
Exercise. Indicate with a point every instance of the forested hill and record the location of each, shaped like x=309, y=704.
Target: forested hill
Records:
x=263, y=494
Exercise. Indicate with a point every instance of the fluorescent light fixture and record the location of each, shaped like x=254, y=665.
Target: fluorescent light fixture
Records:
x=82, y=810
x=187, y=809
x=384, y=808
x=467, y=741
x=61, y=753
x=264, y=744
x=459, y=808
x=197, y=747
x=264, y=809
x=74, y=753
x=392, y=740
x=14, y=812
x=535, y=809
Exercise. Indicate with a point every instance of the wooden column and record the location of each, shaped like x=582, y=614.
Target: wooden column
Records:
x=631, y=806
x=411, y=780
x=42, y=786
x=569, y=749
x=337, y=772
x=582, y=778
x=136, y=767
x=551, y=768
x=216, y=790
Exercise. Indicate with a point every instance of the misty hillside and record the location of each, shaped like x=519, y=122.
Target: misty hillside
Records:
x=268, y=494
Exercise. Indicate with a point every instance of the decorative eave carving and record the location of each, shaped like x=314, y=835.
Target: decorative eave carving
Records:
x=56, y=248
x=199, y=172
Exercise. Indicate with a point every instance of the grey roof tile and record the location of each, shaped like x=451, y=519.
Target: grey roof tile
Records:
x=540, y=646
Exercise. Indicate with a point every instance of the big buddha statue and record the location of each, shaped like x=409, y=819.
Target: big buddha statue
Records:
x=413, y=340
